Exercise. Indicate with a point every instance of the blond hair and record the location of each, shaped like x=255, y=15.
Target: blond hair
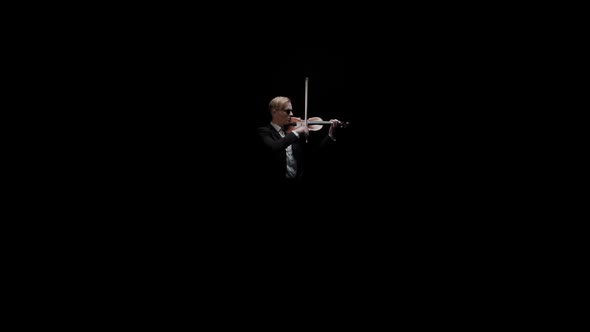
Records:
x=278, y=103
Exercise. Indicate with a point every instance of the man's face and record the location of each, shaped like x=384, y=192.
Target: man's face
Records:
x=283, y=117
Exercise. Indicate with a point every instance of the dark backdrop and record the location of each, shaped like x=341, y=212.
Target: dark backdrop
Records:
x=159, y=159
x=181, y=120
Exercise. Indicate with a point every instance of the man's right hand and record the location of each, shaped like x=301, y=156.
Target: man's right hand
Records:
x=303, y=131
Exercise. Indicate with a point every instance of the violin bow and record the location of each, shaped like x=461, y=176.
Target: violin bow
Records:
x=306, y=89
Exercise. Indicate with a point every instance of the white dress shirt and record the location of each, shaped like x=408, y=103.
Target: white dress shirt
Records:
x=291, y=164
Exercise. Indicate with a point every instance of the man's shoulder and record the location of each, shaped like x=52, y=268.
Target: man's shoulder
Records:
x=265, y=128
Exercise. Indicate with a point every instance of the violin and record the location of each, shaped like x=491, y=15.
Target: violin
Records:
x=313, y=123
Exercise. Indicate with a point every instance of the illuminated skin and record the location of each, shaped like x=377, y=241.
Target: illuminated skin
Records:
x=283, y=116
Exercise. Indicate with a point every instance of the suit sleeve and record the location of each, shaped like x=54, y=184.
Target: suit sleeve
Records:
x=273, y=145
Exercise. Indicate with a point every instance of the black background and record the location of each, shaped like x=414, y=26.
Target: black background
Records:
x=154, y=163
x=180, y=122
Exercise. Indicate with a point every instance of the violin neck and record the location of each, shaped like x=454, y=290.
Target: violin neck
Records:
x=311, y=123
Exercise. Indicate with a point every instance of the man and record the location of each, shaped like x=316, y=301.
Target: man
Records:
x=284, y=143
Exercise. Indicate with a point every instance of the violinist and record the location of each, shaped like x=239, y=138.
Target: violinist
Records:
x=285, y=142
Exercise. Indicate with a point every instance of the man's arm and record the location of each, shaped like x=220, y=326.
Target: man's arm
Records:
x=273, y=145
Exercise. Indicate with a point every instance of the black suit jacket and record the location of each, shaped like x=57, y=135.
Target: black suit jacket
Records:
x=274, y=156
